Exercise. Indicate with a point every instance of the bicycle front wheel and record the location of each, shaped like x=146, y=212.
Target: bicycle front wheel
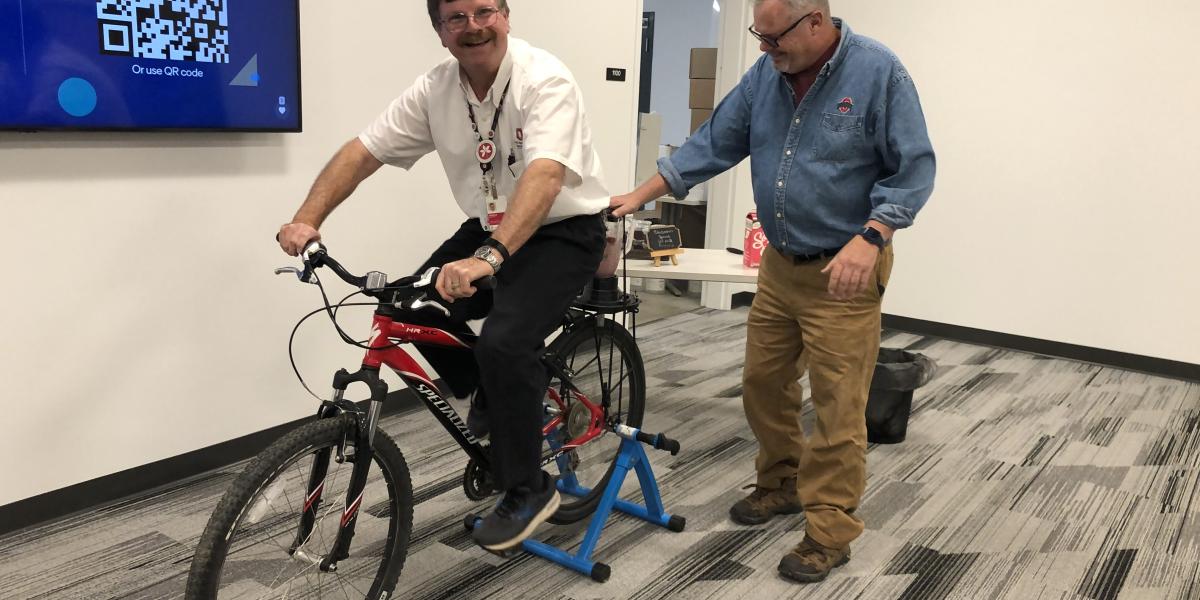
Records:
x=251, y=547
x=603, y=362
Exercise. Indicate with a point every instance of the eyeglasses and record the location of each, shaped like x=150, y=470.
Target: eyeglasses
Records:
x=773, y=40
x=483, y=17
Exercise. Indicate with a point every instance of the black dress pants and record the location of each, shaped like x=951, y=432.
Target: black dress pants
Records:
x=534, y=288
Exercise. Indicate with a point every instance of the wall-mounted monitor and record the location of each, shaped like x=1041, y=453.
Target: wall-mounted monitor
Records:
x=226, y=65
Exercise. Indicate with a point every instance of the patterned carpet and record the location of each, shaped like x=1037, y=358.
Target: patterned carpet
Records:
x=1022, y=477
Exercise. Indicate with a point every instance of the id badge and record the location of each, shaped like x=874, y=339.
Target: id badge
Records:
x=494, y=213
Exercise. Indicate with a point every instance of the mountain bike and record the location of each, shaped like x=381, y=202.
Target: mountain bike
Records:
x=327, y=509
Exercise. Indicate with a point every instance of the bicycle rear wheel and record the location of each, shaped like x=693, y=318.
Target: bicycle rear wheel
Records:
x=604, y=364
x=245, y=551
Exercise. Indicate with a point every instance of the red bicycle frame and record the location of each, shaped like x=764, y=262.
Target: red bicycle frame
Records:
x=384, y=350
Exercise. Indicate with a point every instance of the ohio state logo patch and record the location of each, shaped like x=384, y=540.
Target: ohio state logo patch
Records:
x=485, y=151
x=845, y=105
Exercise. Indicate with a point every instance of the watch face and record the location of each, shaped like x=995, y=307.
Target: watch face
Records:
x=872, y=235
x=484, y=253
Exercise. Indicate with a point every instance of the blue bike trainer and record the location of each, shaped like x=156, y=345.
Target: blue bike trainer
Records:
x=631, y=456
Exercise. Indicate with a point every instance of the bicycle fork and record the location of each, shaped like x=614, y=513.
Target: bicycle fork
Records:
x=363, y=435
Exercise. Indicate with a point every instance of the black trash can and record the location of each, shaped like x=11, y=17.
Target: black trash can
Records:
x=897, y=373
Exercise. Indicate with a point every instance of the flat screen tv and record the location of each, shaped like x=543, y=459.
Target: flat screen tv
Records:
x=226, y=65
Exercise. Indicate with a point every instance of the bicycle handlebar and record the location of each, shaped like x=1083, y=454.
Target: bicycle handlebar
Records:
x=375, y=283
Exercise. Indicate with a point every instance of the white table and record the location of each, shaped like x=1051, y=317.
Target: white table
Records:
x=701, y=264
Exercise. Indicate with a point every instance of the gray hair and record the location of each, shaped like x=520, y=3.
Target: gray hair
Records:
x=804, y=5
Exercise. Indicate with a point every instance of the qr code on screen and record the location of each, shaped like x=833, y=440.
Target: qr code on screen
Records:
x=193, y=30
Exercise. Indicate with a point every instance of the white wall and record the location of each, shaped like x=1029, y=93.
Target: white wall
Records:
x=1066, y=141
x=679, y=26
x=141, y=317
x=1066, y=137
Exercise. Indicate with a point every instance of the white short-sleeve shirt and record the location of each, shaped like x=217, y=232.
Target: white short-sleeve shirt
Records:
x=542, y=117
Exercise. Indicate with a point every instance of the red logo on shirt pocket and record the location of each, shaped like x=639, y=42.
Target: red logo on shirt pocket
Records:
x=845, y=105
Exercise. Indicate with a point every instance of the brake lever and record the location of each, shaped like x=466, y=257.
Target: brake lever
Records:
x=421, y=302
x=427, y=279
x=299, y=273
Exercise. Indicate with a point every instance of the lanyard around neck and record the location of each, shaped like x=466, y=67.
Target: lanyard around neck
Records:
x=486, y=145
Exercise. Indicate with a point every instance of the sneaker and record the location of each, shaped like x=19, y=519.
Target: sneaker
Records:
x=519, y=511
x=811, y=562
x=477, y=418
x=764, y=503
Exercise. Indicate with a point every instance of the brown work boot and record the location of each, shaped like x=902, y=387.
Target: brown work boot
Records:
x=811, y=562
x=764, y=503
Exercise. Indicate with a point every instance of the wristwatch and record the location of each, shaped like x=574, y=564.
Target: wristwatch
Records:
x=485, y=254
x=873, y=237
x=495, y=243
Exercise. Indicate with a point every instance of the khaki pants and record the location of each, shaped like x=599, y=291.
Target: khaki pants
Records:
x=794, y=313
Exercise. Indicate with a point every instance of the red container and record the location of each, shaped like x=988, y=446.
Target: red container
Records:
x=755, y=241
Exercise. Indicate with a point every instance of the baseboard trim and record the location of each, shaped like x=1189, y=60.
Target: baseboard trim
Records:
x=1124, y=360
x=140, y=480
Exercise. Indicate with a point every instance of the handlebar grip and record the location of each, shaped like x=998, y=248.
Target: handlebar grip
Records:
x=307, y=244
x=312, y=247
x=487, y=282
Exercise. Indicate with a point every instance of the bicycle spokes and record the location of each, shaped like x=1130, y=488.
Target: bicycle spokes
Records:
x=296, y=532
x=597, y=386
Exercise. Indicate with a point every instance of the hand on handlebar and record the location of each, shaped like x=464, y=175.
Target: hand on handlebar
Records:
x=625, y=204
x=456, y=280
x=412, y=293
x=294, y=237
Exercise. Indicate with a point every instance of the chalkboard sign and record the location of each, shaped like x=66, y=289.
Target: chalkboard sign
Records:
x=664, y=237
x=664, y=241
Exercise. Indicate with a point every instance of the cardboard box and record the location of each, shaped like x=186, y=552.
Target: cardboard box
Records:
x=754, y=243
x=699, y=116
x=703, y=93
x=703, y=63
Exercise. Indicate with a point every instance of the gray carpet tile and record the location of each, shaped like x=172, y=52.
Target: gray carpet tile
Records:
x=1022, y=477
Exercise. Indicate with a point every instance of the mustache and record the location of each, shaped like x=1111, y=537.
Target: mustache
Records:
x=475, y=39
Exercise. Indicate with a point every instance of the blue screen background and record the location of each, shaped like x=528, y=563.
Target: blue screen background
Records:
x=53, y=74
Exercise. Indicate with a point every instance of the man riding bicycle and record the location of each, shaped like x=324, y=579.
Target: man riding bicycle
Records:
x=508, y=123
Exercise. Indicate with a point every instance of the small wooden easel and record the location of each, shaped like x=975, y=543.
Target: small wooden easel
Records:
x=660, y=255
x=664, y=241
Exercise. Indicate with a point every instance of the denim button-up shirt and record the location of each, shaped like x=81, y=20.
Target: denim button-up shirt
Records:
x=854, y=148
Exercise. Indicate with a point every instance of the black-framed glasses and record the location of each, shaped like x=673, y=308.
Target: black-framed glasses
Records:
x=483, y=17
x=773, y=40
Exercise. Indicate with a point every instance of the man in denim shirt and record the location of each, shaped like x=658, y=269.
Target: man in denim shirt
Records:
x=840, y=159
